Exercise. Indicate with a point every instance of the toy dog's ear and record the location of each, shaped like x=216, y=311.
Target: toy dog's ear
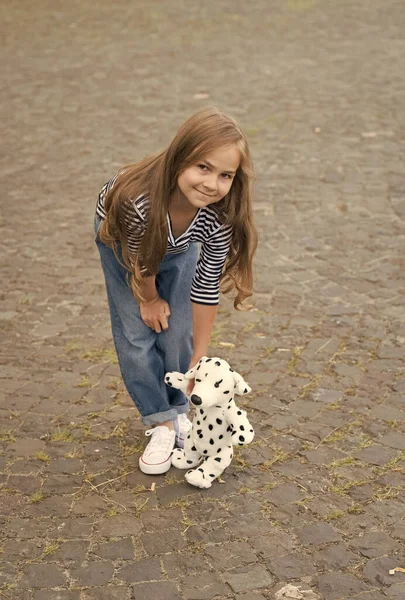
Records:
x=191, y=372
x=241, y=387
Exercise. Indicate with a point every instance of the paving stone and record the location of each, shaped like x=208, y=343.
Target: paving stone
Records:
x=291, y=566
x=273, y=544
x=79, y=527
x=72, y=550
x=24, y=484
x=377, y=571
x=42, y=575
x=119, y=526
x=317, y=533
x=124, y=548
x=26, y=528
x=374, y=544
x=250, y=525
x=394, y=440
x=248, y=578
x=284, y=494
x=56, y=595
x=230, y=555
x=166, y=590
x=199, y=587
x=153, y=520
x=396, y=592
x=398, y=531
x=147, y=569
x=107, y=593
x=184, y=564
x=335, y=556
x=26, y=447
x=340, y=586
x=167, y=541
x=93, y=574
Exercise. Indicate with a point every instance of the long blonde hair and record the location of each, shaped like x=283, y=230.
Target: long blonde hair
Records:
x=156, y=176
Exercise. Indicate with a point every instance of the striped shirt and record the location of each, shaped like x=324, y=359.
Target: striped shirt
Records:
x=205, y=228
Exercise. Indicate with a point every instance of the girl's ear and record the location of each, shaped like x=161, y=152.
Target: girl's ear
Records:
x=242, y=387
x=191, y=372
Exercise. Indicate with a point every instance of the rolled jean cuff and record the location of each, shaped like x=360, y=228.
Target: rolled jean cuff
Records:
x=162, y=417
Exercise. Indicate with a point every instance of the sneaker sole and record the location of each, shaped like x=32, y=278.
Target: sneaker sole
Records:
x=158, y=469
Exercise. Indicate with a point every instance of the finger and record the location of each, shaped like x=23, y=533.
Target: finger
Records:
x=167, y=311
x=164, y=323
x=190, y=386
x=157, y=326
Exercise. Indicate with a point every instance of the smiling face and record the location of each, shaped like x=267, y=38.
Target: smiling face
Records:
x=210, y=179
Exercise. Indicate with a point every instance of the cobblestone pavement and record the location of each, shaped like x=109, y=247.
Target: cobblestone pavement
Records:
x=317, y=501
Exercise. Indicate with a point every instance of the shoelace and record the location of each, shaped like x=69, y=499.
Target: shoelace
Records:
x=161, y=441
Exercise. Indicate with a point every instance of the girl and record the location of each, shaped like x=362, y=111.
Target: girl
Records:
x=162, y=292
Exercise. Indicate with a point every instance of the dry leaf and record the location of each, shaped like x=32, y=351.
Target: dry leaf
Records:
x=397, y=569
x=226, y=345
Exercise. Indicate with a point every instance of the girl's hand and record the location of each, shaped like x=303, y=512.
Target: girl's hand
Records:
x=194, y=360
x=155, y=314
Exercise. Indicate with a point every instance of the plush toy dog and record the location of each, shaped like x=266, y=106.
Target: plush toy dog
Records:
x=218, y=424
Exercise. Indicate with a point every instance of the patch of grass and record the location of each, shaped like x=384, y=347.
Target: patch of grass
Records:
x=129, y=450
x=7, y=436
x=51, y=549
x=312, y=385
x=75, y=453
x=279, y=456
x=37, y=496
x=62, y=435
x=84, y=382
x=140, y=506
x=42, y=456
x=387, y=493
x=180, y=503
x=187, y=524
x=356, y=509
x=268, y=351
x=337, y=514
x=171, y=480
x=113, y=511
x=292, y=363
x=349, y=460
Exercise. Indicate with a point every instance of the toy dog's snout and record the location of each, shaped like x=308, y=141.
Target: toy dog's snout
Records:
x=196, y=400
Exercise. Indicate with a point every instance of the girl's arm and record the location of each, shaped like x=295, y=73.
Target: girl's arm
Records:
x=155, y=311
x=203, y=323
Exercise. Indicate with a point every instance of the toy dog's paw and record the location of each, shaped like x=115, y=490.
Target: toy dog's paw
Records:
x=196, y=478
x=179, y=459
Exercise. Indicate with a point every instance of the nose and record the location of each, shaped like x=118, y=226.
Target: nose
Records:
x=196, y=400
x=210, y=183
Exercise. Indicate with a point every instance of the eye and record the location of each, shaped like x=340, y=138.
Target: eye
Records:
x=202, y=167
x=227, y=176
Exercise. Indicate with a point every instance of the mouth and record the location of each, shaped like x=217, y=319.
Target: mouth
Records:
x=206, y=195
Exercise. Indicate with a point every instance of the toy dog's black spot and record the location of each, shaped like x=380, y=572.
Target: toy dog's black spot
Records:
x=201, y=411
x=218, y=459
x=231, y=370
x=212, y=442
x=178, y=379
x=220, y=437
x=189, y=462
x=239, y=412
x=205, y=451
x=170, y=383
x=219, y=450
x=193, y=449
x=201, y=470
x=210, y=427
x=227, y=392
x=242, y=428
x=199, y=365
x=245, y=391
x=199, y=431
x=208, y=360
x=218, y=383
x=198, y=380
x=217, y=363
x=198, y=422
x=241, y=438
x=219, y=421
x=211, y=475
x=233, y=432
x=204, y=417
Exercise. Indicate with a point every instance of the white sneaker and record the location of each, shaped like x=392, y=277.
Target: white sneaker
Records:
x=157, y=456
x=182, y=426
